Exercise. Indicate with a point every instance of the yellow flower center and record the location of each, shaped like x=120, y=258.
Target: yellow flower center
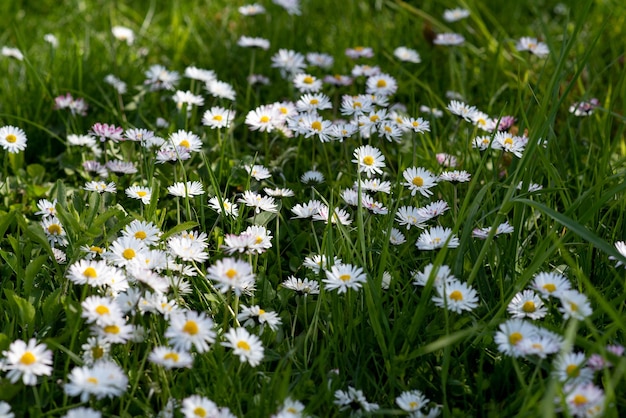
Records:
x=191, y=328
x=96, y=249
x=374, y=118
x=292, y=410
x=417, y=181
x=508, y=141
x=243, y=345
x=11, y=138
x=573, y=306
x=572, y=370
x=258, y=240
x=261, y=312
x=199, y=412
x=218, y=118
x=184, y=143
x=549, y=287
x=265, y=119
x=90, y=273
x=171, y=356
x=92, y=380
x=344, y=277
x=308, y=80
x=128, y=254
x=415, y=124
x=515, y=338
x=456, y=296
x=381, y=83
x=112, y=329
x=436, y=240
x=141, y=193
x=528, y=306
x=413, y=405
x=140, y=235
x=28, y=358
x=316, y=125
x=580, y=400
x=357, y=104
x=102, y=310
x=368, y=160
x=97, y=352
x=54, y=229
x=231, y=273
x=388, y=129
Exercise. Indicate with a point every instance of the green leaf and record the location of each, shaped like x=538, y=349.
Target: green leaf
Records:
x=31, y=271
x=5, y=222
x=23, y=310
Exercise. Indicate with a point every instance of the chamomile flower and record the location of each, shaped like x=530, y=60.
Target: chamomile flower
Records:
x=382, y=84
x=304, y=286
x=417, y=125
x=26, y=361
x=232, y=274
x=369, y=160
x=354, y=400
x=307, y=83
x=511, y=334
x=313, y=102
x=437, y=237
x=396, y=237
x=288, y=62
x=105, y=379
x=124, y=249
x=453, y=15
x=226, y=207
x=246, y=346
x=170, y=358
x=410, y=216
x=143, y=231
x=527, y=304
x=186, y=189
x=264, y=119
x=456, y=296
x=253, y=315
x=54, y=231
x=574, y=305
x=551, y=284
x=342, y=277
x=420, y=180
x=407, y=55
x=584, y=400
x=91, y=272
x=197, y=406
x=221, y=89
x=113, y=330
x=218, y=117
x=258, y=202
x=412, y=401
x=189, y=329
x=139, y=192
x=440, y=275
x=12, y=139
x=312, y=124
x=100, y=310
x=509, y=143
x=100, y=187
x=533, y=46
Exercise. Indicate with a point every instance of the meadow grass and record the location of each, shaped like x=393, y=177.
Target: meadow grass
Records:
x=550, y=209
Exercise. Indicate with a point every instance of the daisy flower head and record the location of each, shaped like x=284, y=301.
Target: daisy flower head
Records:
x=382, y=84
x=289, y=62
x=342, y=277
x=185, y=139
x=279, y=192
x=54, y=231
x=369, y=160
x=26, y=361
x=105, y=379
x=620, y=246
x=453, y=15
x=511, y=334
x=437, y=237
x=253, y=315
x=92, y=272
x=51, y=39
x=306, y=83
x=527, y=304
x=257, y=171
x=100, y=310
x=311, y=124
x=246, y=346
x=258, y=202
x=124, y=34
x=354, y=400
x=200, y=74
x=117, y=84
x=253, y=42
x=312, y=177
x=551, y=284
x=190, y=329
x=584, y=400
x=407, y=55
x=433, y=111
x=224, y=207
x=12, y=139
x=570, y=368
x=533, y=46
x=541, y=345
x=509, y=143
x=321, y=60
x=303, y=286
x=290, y=409
x=412, y=401
x=12, y=53
x=461, y=109
x=356, y=105
x=374, y=185
x=104, y=131
x=182, y=98
x=263, y=119
x=291, y=6
x=319, y=262
x=410, y=216
x=123, y=250
x=420, y=180
x=417, y=125
x=144, y=231
x=313, y=102
x=187, y=248
x=449, y=39
x=574, y=305
x=584, y=108
x=251, y=9
x=396, y=237
x=359, y=52
x=187, y=189
x=456, y=296
x=197, y=406
x=221, y=89
x=232, y=274
x=82, y=412
x=455, y=176
x=482, y=142
x=337, y=216
x=100, y=187
x=218, y=117
x=159, y=78
x=440, y=275
x=140, y=193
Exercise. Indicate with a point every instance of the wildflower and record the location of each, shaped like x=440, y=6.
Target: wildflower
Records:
x=312, y=124
x=225, y=207
x=113, y=331
x=390, y=131
x=551, y=284
x=382, y=84
x=410, y=216
x=569, y=367
x=124, y=34
x=313, y=102
x=232, y=274
x=433, y=209
x=461, y=109
x=372, y=205
x=196, y=406
x=509, y=143
x=139, y=192
x=188, y=189
x=456, y=296
x=359, y=52
x=584, y=108
x=396, y=237
x=584, y=400
x=420, y=180
x=190, y=328
x=288, y=62
x=620, y=246
x=253, y=42
x=407, y=55
x=218, y=117
x=304, y=286
x=82, y=412
x=105, y=379
x=187, y=248
x=342, y=277
x=440, y=275
x=91, y=272
x=51, y=39
x=12, y=139
x=245, y=345
x=54, y=231
x=221, y=89
x=369, y=159
x=142, y=230
x=307, y=83
x=312, y=176
x=542, y=344
x=76, y=106
x=117, y=84
x=12, y=53
x=290, y=409
x=159, y=78
x=100, y=187
x=187, y=98
x=321, y=60
x=100, y=310
x=455, y=176
x=527, y=304
x=353, y=399
x=483, y=233
x=95, y=350
x=535, y=47
x=27, y=361
x=124, y=249
x=512, y=333
x=412, y=401
x=291, y=6
x=104, y=131
x=252, y=9
x=417, y=125
x=121, y=167
x=374, y=185
x=453, y=15
x=574, y=305
x=449, y=39
x=263, y=119
x=252, y=315
x=278, y=192
x=338, y=80
x=356, y=106
x=338, y=215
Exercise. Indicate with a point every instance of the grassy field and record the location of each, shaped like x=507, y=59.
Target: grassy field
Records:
x=312, y=208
